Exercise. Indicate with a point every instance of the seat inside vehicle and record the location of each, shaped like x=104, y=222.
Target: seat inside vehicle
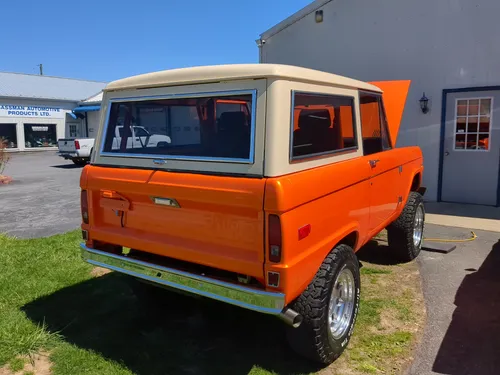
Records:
x=233, y=135
x=314, y=134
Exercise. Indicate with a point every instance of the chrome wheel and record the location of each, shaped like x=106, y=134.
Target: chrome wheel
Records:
x=418, y=226
x=341, y=305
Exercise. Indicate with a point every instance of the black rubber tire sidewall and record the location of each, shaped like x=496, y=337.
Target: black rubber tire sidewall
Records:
x=313, y=339
x=400, y=232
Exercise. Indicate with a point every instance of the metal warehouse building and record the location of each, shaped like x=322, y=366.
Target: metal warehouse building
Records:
x=451, y=52
x=35, y=110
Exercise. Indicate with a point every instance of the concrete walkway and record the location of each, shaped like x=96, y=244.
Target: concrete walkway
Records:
x=462, y=294
x=468, y=216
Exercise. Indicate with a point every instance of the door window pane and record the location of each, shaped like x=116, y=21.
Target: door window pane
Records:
x=484, y=124
x=472, y=130
x=373, y=124
x=472, y=125
x=483, y=142
x=40, y=135
x=72, y=131
x=473, y=107
x=472, y=141
x=461, y=124
x=322, y=124
x=460, y=142
x=485, y=107
x=462, y=108
x=8, y=135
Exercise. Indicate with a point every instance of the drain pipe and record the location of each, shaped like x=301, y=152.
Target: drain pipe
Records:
x=291, y=317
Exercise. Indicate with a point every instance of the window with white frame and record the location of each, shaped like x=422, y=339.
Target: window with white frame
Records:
x=473, y=124
x=72, y=131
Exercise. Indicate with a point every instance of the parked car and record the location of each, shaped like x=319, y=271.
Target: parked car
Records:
x=262, y=205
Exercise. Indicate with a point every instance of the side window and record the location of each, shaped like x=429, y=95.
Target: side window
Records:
x=322, y=124
x=373, y=124
x=140, y=132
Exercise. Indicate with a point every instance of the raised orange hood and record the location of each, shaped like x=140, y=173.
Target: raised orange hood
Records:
x=395, y=93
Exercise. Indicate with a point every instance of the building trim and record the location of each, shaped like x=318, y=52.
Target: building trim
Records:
x=28, y=98
x=443, y=129
x=297, y=16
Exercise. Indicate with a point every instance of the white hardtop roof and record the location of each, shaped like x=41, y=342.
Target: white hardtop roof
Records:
x=216, y=73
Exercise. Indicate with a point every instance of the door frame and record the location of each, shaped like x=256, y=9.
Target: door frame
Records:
x=444, y=98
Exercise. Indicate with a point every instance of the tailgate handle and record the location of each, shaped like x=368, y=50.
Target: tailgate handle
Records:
x=114, y=200
x=115, y=204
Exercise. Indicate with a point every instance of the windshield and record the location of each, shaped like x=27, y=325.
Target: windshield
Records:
x=214, y=127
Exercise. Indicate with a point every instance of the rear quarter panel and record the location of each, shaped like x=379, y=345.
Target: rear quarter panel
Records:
x=335, y=201
x=332, y=199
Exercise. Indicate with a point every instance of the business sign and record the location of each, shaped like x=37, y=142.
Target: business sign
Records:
x=10, y=110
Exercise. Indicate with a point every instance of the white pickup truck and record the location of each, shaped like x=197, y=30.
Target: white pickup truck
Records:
x=79, y=150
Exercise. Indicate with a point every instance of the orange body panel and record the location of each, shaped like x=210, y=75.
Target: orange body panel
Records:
x=220, y=222
x=336, y=200
x=394, y=96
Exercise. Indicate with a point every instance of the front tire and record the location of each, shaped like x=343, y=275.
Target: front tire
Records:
x=406, y=234
x=329, y=307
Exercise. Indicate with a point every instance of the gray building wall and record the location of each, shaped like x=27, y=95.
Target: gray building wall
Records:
x=93, y=119
x=437, y=44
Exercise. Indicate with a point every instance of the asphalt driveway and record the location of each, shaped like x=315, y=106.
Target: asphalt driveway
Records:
x=462, y=294
x=43, y=199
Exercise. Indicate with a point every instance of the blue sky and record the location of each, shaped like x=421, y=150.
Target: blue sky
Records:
x=104, y=40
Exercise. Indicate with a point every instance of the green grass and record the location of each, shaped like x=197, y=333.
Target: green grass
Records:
x=374, y=271
x=16, y=364
x=28, y=373
x=49, y=301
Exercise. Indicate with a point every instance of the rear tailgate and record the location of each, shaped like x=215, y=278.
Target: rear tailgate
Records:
x=66, y=145
x=219, y=221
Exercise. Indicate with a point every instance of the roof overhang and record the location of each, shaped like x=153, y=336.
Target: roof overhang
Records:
x=315, y=5
x=87, y=108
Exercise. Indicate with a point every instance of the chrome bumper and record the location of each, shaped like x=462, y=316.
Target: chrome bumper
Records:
x=249, y=298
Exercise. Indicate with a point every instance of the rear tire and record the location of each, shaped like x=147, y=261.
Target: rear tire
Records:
x=405, y=235
x=79, y=161
x=329, y=307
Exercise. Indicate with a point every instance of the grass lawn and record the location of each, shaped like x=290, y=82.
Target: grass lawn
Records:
x=61, y=316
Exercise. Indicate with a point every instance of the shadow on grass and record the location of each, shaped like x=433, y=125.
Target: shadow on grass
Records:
x=67, y=166
x=174, y=334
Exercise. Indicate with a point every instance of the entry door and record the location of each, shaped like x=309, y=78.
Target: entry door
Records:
x=471, y=148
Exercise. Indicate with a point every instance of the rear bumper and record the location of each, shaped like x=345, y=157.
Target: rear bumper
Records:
x=249, y=298
x=68, y=155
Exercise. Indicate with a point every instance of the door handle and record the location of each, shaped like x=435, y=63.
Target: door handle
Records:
x=446, y=153
x=373, y=162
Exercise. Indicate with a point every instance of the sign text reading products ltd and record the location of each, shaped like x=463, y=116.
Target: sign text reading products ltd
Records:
x=9, y=110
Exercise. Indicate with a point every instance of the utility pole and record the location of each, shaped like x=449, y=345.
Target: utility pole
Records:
x=41, y=69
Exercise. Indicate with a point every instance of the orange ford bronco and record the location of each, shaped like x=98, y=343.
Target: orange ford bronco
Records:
x=267, y=181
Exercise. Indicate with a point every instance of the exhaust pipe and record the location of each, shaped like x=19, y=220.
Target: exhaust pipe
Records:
x=291, y=317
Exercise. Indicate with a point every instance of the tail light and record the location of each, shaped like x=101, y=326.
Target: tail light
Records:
x=84, y=206
x=274, y=238
x=77, y=144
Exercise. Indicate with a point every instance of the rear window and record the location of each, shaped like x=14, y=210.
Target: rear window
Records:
x=220, y=126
